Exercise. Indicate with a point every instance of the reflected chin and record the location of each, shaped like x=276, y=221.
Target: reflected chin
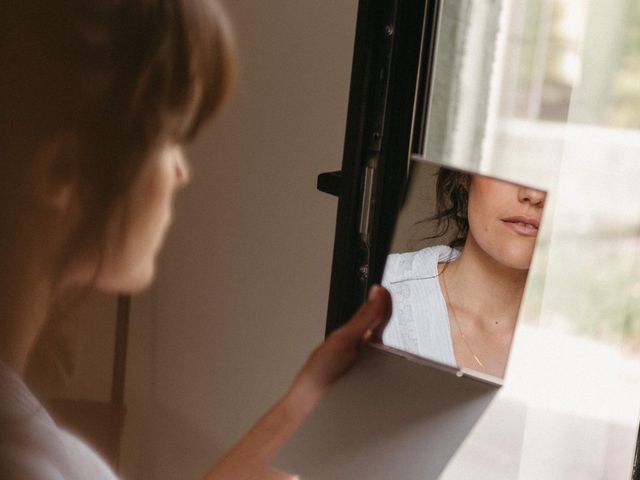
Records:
x=517, y=260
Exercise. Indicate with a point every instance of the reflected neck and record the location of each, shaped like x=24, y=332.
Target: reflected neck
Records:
x=478, y=283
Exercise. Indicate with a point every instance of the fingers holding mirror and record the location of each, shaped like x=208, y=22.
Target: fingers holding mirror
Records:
x=330, y=360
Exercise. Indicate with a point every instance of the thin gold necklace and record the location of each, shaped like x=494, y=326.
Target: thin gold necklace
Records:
x=455, y=320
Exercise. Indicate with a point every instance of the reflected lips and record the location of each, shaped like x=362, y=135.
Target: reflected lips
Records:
x=526, y=226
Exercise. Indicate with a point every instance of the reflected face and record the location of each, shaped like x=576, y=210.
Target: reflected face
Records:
x=504, y=219
x=134, y=241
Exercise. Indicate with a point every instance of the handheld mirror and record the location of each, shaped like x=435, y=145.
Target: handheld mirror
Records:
x=458, y=267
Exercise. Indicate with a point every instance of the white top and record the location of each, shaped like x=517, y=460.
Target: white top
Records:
x=420, y=320
x=32, y=446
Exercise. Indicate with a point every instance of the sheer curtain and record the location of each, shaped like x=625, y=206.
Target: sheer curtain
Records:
x=547, y=93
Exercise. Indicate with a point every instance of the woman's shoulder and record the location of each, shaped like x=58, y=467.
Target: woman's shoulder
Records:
x=18, y=462
x=49, y=454
x=33, y=446
x=408, y=265
x=440, y=253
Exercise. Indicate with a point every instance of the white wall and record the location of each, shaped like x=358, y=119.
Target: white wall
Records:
x=243, y=281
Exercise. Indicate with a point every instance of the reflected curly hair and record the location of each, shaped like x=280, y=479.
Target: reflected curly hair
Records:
x=452, y=198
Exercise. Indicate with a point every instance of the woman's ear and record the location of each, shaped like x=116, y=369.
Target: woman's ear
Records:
x=55, y=172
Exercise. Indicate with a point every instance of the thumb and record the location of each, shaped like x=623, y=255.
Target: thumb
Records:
x=371, y=318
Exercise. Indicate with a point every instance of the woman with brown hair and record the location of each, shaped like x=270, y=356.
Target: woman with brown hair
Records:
x=98, y=98
x=458, y=303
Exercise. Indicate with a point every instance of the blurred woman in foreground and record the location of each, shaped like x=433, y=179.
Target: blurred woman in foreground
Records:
x=98, y=99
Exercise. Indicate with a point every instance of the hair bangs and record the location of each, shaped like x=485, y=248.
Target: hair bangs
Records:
x=203, y=67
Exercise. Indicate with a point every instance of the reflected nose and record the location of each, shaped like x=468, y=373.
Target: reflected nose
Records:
x=183, y=173
x=532, y=196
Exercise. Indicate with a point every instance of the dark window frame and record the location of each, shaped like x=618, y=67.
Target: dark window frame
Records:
x=388, y=98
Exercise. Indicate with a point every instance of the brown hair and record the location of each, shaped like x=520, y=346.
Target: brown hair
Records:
x=452, y=198
x=124, y=76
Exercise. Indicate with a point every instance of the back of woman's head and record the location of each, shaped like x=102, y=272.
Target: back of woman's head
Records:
x=120, y=77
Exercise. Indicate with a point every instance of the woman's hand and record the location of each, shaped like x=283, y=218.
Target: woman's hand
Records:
x=337, y=354
x=251, y=457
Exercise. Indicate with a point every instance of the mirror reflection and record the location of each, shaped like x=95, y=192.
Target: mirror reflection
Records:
x=458, y=267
